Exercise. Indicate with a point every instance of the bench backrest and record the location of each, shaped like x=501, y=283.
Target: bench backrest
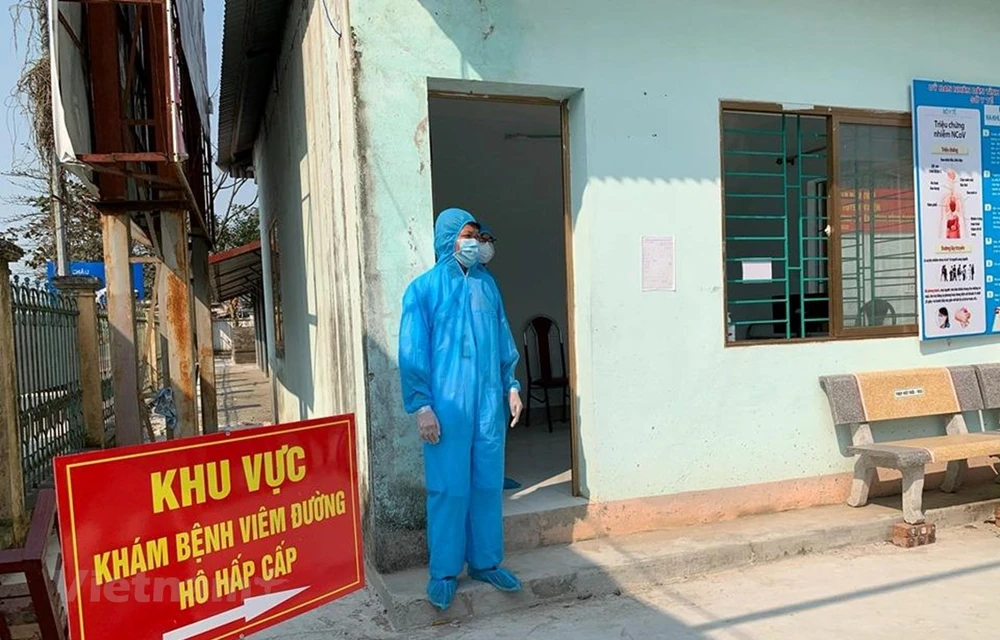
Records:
x=989, y=384
x=864, y=398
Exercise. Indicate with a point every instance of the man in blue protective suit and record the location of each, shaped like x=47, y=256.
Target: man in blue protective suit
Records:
x=456, y=360
x=487, y=251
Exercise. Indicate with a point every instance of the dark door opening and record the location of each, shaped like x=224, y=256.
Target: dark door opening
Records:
x=504, y=161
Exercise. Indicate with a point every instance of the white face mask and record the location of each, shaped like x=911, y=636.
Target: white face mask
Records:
x=468, y=252
x=486, y=252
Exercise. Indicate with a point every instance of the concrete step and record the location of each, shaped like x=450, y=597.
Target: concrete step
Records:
x=632, y=564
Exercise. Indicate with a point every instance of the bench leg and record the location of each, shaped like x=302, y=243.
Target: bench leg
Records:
x=954, y=476
x=42, y=593
x=913, y=494
x=864, y=476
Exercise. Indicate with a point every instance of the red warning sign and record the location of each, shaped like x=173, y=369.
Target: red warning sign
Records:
x=215, y=537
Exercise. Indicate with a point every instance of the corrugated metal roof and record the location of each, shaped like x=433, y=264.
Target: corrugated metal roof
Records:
x=236, y=272
x=251, y=44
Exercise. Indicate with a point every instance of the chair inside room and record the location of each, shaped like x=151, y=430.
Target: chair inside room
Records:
x=541, y=334
x=877, y=313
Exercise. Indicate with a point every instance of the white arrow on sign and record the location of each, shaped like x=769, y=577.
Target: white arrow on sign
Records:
x=250, y=609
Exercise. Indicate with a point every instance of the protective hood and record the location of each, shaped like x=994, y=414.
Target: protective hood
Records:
x=486, y=231
x=449, y=224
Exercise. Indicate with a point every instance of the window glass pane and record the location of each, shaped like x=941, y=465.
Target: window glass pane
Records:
x=877, y=231
x=775, y=201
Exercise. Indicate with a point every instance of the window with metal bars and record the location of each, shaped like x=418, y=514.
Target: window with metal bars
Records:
x=819, y=225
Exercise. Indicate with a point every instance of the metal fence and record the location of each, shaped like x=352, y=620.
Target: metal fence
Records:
x=107, y=383
x=48, y=377
x=50, y=395
x=151, y=373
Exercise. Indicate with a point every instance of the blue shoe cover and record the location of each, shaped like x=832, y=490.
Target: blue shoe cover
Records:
x=499, y=577
x=510, y=483
x=442, y=592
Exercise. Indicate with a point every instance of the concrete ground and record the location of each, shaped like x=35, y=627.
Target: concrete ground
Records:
x=244, y=394
x=243, y=398
x=945, y=590
x=540, y=461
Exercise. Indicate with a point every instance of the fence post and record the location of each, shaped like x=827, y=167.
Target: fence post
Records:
x=178, y=319
x=203, y=333
x=153, y=347
x=84, y=288
x=11, y=471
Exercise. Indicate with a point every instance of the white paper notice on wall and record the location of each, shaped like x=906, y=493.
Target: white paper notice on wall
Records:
x=757, y=270
x=658, y=264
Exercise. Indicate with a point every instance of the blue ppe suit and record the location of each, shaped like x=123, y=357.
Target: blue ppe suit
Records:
x=457, y=356
x=508, y=483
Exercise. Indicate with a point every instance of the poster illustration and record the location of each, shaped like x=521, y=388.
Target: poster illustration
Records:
x=956, y=137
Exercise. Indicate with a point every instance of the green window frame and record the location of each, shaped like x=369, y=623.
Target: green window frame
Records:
x=818, y=224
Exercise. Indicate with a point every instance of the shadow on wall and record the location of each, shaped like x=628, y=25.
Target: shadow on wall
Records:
x=646, y=115
x=395, y=515
x=935, y=347
x=279, y=184
x=478, y=38
x=299, y=191
x=295, y=201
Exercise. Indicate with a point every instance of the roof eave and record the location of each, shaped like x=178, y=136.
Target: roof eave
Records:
x=253, y=32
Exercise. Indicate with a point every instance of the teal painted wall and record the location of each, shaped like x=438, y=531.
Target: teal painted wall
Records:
x=663, y=406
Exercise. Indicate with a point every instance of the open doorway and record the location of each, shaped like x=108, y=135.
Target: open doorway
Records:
x=504, y=160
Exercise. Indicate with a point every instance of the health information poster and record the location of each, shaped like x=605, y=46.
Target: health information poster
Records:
x=956, y=138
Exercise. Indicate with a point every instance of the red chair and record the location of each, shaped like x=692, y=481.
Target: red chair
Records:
x=541, y=377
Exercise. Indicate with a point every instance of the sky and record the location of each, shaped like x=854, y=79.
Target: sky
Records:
x=14, y=132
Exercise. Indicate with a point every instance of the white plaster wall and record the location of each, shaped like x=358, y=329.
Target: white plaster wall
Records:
x=299, y=169
x=222, y=335
x=664, y=407
x=306, y=167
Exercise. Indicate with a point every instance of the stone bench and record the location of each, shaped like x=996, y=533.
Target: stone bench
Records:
x=864, y=400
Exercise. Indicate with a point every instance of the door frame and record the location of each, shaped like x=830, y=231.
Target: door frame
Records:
x=563, y=105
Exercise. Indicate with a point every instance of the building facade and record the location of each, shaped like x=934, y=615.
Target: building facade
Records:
x=694, y=402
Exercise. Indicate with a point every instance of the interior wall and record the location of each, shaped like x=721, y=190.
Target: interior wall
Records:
x=515, y=187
